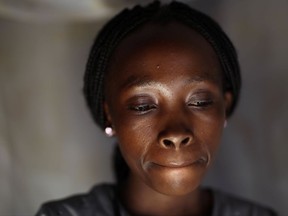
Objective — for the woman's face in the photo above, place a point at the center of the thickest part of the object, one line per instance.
(165, 101)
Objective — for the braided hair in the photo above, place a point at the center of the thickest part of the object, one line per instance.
(130, 20)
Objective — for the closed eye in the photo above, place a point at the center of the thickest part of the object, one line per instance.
(142, 108)
(200, 103)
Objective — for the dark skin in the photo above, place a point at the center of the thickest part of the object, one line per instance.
(164, 99)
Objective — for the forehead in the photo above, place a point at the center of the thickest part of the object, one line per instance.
(172, 45)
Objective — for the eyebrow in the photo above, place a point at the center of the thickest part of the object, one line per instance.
(137, 81)
(134, 81)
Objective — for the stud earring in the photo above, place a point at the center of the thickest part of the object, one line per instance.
(225, 123)
(109, 131)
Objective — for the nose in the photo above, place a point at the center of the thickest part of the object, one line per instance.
(176, 140)
(176, 129)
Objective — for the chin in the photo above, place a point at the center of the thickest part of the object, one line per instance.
(176, 182)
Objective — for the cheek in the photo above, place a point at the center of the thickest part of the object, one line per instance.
(213, 135)
(130, 126)
(210, 132)
(134, 138)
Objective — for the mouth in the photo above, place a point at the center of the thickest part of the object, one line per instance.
(202, 161)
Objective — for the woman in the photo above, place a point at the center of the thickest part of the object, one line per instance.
(162, 79)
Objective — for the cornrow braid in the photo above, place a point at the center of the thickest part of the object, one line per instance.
(130, 20)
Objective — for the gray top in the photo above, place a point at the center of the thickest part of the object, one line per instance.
(102, 201)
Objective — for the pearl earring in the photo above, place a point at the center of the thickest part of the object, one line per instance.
(109, 131)
(225, 123)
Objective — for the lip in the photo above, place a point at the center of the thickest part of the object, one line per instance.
(181, 164)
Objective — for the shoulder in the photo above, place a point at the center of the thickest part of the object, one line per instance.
(100, 199)
(228, 205)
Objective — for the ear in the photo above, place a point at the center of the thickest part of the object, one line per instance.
(228, 99)
(109, 129)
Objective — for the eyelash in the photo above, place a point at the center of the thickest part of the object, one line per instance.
(200, 103)
(143, 108)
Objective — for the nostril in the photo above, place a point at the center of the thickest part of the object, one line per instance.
(167, 143)
(186, 140)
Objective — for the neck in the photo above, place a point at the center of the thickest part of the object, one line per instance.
(140, 199)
